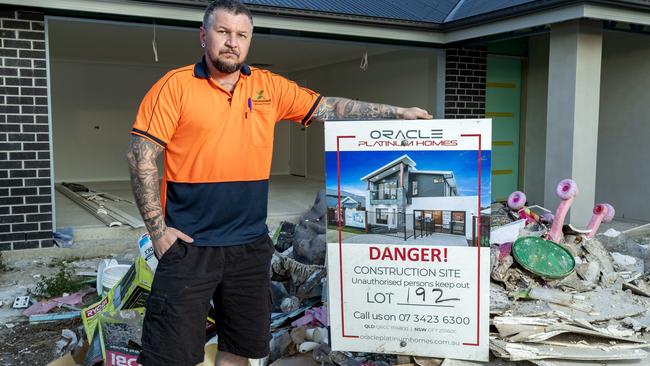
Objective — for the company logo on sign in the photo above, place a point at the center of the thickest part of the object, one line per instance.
(119, 359)
(414, 137)
(406, 134)
(91, 312)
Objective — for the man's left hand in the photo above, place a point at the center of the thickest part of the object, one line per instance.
(413, 113)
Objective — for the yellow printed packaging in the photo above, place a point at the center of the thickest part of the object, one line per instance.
(131, 292)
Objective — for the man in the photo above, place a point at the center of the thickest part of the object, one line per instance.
(215, 120)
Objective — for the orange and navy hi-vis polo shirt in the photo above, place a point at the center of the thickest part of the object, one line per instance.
(218, 148)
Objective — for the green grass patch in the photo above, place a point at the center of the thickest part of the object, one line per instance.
(347, 229)
(64, 281)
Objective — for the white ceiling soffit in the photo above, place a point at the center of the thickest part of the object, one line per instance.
(549, 16)
(617, 14)
(517, 23)
(161, 11)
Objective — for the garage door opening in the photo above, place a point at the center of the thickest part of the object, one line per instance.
(100, 70)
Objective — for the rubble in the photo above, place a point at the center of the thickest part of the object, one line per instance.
(595, 314)
(598, 313)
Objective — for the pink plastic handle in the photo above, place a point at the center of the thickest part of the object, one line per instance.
(602, 212)
(567, 189)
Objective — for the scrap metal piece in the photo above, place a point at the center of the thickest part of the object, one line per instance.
(89, 206)
(97, 203)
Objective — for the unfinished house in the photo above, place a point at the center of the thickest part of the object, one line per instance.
(563, 81)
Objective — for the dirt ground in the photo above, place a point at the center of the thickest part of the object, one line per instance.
(32, 345)
(27, 344)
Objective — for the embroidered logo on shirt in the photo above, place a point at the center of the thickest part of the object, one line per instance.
(260, 98)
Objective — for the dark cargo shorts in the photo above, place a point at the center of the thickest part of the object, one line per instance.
(235, 277)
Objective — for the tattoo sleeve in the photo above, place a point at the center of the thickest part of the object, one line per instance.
(334, 108)
(142, 156)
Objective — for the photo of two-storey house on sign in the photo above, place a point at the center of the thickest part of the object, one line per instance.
(408, 194)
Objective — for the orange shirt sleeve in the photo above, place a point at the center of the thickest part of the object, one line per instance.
(159, 111)
(293, 102)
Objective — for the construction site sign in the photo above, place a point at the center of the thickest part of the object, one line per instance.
(413, 278)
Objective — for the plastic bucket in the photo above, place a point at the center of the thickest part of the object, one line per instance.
(112, 275)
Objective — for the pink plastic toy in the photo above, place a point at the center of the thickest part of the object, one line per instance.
(603, 212)
(567, 190)
(516, 202)
(548, 218)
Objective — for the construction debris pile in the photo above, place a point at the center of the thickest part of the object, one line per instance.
(564, 296)
(299, 276)
(559, 295)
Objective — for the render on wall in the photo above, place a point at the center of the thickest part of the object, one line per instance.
(404, 78)
(535, 119)
(624, 125)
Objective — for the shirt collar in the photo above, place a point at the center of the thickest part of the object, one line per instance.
(201, 69)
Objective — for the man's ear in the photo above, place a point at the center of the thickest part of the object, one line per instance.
(202, 34)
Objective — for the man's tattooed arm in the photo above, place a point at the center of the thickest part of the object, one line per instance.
(335, 108)
(142, 156)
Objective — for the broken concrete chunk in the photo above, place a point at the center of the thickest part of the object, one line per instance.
(531, 308)
(639, 290)
(573, 282)
(290, 304)
(427, 361)
(623, 262)
(599, 253)
(633, 242)
(499, 301)
(589, 271)
(559, 297)
(452, 362)
(607, 304)
(298, 334)
(643, 320)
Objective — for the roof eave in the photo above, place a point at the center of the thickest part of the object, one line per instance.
(397, 23)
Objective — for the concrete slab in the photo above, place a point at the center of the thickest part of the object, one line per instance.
(435, 239)
(289, 197)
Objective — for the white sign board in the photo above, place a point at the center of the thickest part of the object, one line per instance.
(354, 218)
(408, 289)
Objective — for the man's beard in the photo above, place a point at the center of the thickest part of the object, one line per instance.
(226, 66)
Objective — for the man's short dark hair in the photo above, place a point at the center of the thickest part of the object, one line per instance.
(231, 6)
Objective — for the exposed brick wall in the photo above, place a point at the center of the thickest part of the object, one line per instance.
(25, 176)
(465, 82)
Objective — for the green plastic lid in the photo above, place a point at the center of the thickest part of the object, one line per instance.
(543, 257)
